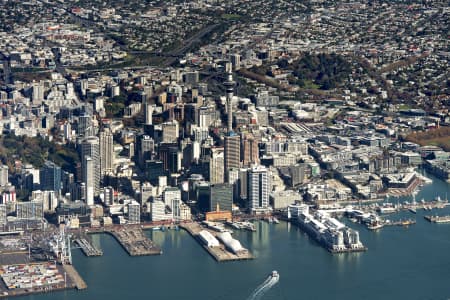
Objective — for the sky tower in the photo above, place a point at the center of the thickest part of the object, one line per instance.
(229, 85)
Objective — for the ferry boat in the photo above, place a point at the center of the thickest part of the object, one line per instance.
(408, 222)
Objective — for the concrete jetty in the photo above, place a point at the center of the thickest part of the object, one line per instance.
(75, 277)
(219, 253)
(134, 241)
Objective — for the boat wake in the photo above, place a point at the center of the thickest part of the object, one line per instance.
(265, 286)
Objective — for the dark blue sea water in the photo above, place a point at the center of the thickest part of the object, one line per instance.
(401, 263)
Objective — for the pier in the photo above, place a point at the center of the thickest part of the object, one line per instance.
(437, 219)
(134, 241)
(75, 277)
(406, 222)
(87, 248)
(219, 253)
(322, 242)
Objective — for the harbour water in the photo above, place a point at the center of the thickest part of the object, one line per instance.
(401, 263)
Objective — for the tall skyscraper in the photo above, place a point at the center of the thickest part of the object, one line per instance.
(232, 153)
(50, 177)
(84, 125)
(170, 132)
(149, 108)
(171, 157)
(88, 179)
(90, 147)
(106, 152)
(216, 166)
(229, 85)
(250, 151)
(145, 149)
(258, 189)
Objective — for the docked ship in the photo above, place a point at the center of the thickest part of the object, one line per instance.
(408, 222)
(248, 226)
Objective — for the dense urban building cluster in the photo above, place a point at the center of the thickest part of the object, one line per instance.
(314, 103)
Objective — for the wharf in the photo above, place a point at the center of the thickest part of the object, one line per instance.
(87, 248)
(134, 241)
(400, 223)
(75, 277)
(73, 280)
(318, 238)
(438, 219)
(220, 253)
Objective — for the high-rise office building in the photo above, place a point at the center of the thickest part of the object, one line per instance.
(145, 148)
(232, 153)
(216, 165)
(90, 147)
(37, 93)
(235, 61)
(84, 125)
(134, 212)
(88, 179)
(108, 195)
(171, 157)
(106, 152)
(172, 199)
(250, 151)
(158, 211)
(258, 189)
(170, 132)
(221, 195)
(146, 192)
(3, 175)
(50, 177)
(148, 112)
